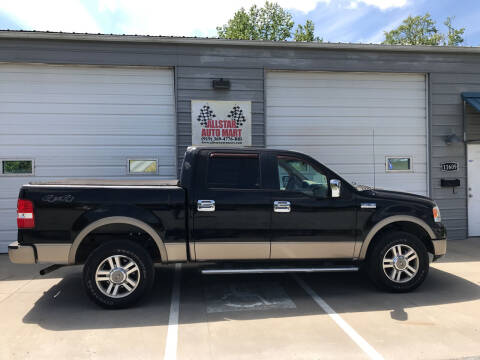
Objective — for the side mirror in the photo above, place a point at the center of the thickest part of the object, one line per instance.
(335, 186)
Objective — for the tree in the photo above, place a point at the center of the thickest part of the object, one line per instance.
(454, 36)
(306, 32)
(422, 30)
(270, 22)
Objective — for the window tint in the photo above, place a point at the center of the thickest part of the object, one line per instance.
(298, 175)
(233, 172)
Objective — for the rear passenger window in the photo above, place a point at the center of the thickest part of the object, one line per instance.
(240, 171)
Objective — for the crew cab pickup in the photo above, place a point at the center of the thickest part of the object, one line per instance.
(235, 210)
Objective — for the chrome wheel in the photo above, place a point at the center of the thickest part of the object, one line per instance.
(117, 276)
(400, 263)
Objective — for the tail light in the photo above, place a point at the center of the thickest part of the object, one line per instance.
(25, 216)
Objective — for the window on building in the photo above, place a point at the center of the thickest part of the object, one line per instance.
(398, 164)
(142, 166)
(17, 167)
(300, 176)
(233, 171)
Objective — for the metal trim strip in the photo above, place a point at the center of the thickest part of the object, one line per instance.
(278, 270)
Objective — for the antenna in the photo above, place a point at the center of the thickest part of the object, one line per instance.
(373, 152)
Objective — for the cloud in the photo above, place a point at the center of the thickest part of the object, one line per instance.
(185, 17)
(170, 17)
(382, 4)
(54, 15)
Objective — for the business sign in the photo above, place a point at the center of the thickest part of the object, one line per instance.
(449, 166)
(221, 122)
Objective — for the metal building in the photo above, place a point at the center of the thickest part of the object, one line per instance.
(395, 117)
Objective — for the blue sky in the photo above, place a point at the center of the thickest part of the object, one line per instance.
(335, 20)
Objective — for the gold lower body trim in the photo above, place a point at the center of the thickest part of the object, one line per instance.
(312, 250)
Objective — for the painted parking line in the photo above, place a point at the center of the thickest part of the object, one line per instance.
(360, 341)
(172, 332)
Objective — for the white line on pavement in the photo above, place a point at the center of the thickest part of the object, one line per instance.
(172, 332)
(360, 341)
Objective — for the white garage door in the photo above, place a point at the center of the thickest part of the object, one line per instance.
(362, 125)
(78, 122)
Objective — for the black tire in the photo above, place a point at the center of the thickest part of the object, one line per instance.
(143, 274)
(382, 277)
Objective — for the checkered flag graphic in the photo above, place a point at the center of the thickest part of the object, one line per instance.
(206, 114)
(236, 114)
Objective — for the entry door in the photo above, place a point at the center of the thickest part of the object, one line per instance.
(473, 153)
(307, 222)
(232, 214)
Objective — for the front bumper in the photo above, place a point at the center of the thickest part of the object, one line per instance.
(21, 254)
(439, 248)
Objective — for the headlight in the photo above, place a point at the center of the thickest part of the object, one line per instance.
(436, 214)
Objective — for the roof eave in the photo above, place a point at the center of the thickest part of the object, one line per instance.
(40, 35)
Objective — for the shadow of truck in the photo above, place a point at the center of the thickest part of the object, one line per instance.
(65, 306)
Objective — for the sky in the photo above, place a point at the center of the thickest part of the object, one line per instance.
(358, 21)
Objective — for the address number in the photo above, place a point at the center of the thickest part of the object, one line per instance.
(449, 166)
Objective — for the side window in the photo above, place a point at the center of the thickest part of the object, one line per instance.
(233, 171)
(16, 167)
(297, 175)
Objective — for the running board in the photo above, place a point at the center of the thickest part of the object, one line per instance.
(278, 270)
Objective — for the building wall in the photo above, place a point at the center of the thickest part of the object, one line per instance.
(472, 117)
(195, 83)
(447, 118)
(196, 65)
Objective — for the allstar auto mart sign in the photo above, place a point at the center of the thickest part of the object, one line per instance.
(216, 122)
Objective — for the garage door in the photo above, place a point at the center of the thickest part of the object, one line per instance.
(72, 121)
(369, 127)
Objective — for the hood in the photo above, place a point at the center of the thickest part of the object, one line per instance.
(398, 195)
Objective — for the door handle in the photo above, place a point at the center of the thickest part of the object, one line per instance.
(206, 205)
(281, 206)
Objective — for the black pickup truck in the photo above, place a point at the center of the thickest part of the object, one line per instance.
(237, 210)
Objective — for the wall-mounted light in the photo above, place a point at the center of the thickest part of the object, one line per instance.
(221, 84)
(452, 139)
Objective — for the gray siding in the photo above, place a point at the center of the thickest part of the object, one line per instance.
(195, 83)
(472, 117)
(447, 118)
(196, 65)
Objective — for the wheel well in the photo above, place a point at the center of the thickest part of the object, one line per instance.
(404, 226)
(112, 232)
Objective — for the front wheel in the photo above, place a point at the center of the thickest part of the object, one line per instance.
(398, 262)
(117, 274)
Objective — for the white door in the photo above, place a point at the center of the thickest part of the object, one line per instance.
(473, 182)
(79, 121)
(352, 122)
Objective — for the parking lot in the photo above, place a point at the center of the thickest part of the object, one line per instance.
(195, 316)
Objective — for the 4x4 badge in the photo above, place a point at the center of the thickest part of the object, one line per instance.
(58, 198)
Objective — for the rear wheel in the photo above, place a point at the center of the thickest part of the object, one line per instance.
(117, 274)
(398, 262)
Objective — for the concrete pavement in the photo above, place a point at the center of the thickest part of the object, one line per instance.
(246, 316)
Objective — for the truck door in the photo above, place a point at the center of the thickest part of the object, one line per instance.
(231, 218)
(307, 222)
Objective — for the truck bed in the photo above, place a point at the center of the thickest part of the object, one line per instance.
(104, 182)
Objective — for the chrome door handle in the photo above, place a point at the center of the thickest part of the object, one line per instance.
(281, 206)
(206, 205)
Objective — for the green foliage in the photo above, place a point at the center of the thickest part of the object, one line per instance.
(422, 30)
(270, 22)
(306, 32)
(17, 166)
(454, 36)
